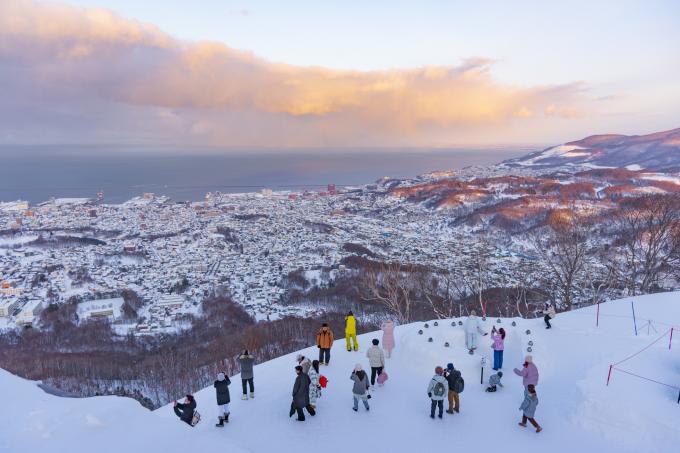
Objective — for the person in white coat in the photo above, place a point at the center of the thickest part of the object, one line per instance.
(314, 386)
(472, 328)
(376, 358)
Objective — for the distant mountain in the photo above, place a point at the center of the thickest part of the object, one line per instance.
(659, 151)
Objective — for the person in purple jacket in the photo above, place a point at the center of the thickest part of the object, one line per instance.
(529, 373)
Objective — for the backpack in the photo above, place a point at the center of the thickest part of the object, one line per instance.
(323, 381)
(438, 389)
(459, 385)
(195, 419)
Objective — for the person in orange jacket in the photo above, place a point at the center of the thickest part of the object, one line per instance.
(324, 340)
(351, 331)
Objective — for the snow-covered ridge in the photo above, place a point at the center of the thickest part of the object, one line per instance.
(577, 410)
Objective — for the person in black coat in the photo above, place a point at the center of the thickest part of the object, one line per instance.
(223, 398)
(185, 411)
(301, 395)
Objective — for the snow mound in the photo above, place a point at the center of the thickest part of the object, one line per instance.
(578, 411)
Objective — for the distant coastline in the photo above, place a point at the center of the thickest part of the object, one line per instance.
(38, 173)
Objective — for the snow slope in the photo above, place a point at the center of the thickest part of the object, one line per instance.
(577, 410)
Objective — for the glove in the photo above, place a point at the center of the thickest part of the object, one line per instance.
(429, 394)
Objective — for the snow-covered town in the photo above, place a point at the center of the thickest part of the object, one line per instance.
(172, 254)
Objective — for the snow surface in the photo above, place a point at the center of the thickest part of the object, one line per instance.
(577, 410)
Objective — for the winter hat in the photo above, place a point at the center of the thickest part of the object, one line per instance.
(220, 377)
(500, 374)
(473, 313)
(299, 357)
(449, 366)
(298, 368)
(375, 342)
(529, 359)
(439, 370)
(357, 367)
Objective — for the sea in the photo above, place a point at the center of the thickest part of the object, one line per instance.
(39, 173)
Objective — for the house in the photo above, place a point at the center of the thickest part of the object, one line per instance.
(7, 307)
(29, 311)
(101, 309)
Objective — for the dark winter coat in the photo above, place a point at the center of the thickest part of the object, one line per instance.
(246, 362)
(301, 391)
(222, 391)
(185, 411)
(454, 377)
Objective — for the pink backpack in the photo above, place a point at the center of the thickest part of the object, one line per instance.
(382, 377)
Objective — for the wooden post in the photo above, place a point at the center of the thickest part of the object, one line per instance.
(670, 342)
(597, 319)
(632, 306)
(609, 376)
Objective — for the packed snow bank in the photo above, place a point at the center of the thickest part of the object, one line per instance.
(577, 410)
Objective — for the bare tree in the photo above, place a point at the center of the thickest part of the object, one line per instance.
(562, 248)
(392, 285)
(648, 230)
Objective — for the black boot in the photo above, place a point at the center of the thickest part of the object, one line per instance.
(220, 423)
(226, 417)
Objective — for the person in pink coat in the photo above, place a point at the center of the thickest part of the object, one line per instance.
(388, 337)
(529, 373)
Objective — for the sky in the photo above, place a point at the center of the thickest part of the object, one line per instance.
(336, 74)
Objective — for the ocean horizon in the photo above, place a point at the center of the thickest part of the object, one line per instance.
(38, 173)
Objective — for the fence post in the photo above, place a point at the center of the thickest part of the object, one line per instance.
(632, 306)
(670, 342)
(678, 397)
(597, 319)
(609, 375)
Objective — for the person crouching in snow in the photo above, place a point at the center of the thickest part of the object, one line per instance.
(360, 388)
(301, 396)
(314, 386)
(528, 409)
(388, 337)
(437, 391)
(472, 328)
(185, 411)
(223, 399)
(247, 377)
(494, 380)
(529, 373)
(549, 313)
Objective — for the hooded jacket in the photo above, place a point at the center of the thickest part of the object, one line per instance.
(529, 404)
(529, 373)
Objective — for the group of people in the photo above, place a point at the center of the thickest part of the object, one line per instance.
(447, 383)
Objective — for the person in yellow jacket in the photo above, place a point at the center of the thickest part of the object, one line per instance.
(351, 331)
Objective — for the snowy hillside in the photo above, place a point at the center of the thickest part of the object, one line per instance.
(577, 410)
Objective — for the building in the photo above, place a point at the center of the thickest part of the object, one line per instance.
(7, 307)
(101, 309)
(30, 310)
(267, 192)
(332, 189)
(170, 301)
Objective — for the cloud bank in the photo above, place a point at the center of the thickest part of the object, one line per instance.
(75, 74)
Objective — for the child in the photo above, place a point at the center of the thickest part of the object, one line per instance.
(223, 398)
(494, 380)
(528, 408)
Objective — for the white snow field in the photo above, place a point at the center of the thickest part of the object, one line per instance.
(577, 410)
